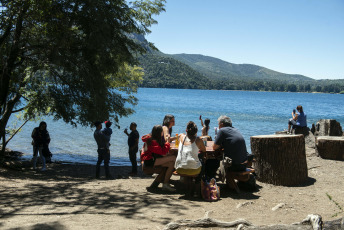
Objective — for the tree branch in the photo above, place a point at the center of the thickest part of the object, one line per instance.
(18, 110)
(16, 132)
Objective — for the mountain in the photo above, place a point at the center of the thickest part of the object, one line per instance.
(165, 72)
(221, 70)
(195, 71)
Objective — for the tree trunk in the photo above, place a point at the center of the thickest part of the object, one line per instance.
(330, 147)
(280, 159)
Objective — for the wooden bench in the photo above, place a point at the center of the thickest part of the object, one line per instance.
(161, 171)
(189, 183)
(231, 176)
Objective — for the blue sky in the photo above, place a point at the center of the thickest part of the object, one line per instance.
(290, 36)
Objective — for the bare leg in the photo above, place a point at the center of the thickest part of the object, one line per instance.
(166, 161)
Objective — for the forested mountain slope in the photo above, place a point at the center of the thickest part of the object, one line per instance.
(219, 69)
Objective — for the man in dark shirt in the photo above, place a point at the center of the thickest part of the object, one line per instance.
(233, 143)
(133, 143)
(103, 150)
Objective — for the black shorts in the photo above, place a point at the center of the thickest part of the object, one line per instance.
(149, 163)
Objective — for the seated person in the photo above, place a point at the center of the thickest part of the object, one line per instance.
(299, 119)
(190, 146)
(167, 125)
(205, 126)
(233, 143)
(157, 154)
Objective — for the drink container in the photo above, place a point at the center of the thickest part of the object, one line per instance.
(177, 140)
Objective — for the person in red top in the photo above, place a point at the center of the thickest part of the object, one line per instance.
(157, 154)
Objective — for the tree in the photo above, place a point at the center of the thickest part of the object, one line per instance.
(292, 88)
(71, 59)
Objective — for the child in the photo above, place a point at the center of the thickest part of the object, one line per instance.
(205, 126)
(107, 130)
(133, 143)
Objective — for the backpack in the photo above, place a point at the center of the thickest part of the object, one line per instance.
(145, 154)
(210, 190)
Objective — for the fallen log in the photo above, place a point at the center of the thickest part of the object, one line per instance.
(311, 222)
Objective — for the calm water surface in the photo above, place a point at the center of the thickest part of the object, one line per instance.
(253, 113)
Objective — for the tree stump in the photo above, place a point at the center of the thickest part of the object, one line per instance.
(327, 127)
(330, 147)
(280, 159)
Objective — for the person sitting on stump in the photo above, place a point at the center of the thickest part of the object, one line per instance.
(299, 119)
(233, 143)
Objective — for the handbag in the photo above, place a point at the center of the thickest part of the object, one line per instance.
(209, 190)
(47, 154)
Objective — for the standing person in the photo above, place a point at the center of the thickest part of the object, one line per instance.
(40, 140)
(299, 119)
(205, 126)
(233, 143)
(107, 130)
(103, 150)
(167, 125)
(158, 151)
(133, 143)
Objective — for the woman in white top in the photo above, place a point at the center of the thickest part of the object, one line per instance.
(190, 146)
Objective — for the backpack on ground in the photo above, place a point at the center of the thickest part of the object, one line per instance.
(209, 189)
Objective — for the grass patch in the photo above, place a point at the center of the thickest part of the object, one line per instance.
(336, 203)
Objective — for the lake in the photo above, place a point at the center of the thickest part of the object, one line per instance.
(253, 113)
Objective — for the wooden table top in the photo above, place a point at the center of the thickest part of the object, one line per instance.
(210, 152)
(209, 147)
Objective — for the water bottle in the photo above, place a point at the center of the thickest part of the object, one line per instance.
(215, 132)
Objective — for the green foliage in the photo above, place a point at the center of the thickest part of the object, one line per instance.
(73, 60)
(203, 72)
(166, 72)
(218, 69)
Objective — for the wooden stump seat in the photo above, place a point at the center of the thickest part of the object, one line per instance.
(189, 183)
(302, 130)
(231, 176)
(330, 147)
(280, 159)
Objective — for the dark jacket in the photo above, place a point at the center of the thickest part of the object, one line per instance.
(40, 138)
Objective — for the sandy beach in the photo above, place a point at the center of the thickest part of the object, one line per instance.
(69, 197)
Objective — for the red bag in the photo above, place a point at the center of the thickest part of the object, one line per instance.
(145, 153)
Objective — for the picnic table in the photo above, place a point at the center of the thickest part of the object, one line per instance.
(210, 152)
(218, 154)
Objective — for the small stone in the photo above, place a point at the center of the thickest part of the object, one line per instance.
(244, 204)
(281, 205)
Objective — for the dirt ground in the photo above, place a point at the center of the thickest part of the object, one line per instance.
(69, 197)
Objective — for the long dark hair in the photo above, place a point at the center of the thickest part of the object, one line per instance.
(299, 108)
(206, 123)
(41, 124)
(166, 122)
(156, 135)
(191, 130)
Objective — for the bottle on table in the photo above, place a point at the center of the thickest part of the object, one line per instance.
(177, 140)
(205, 142)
